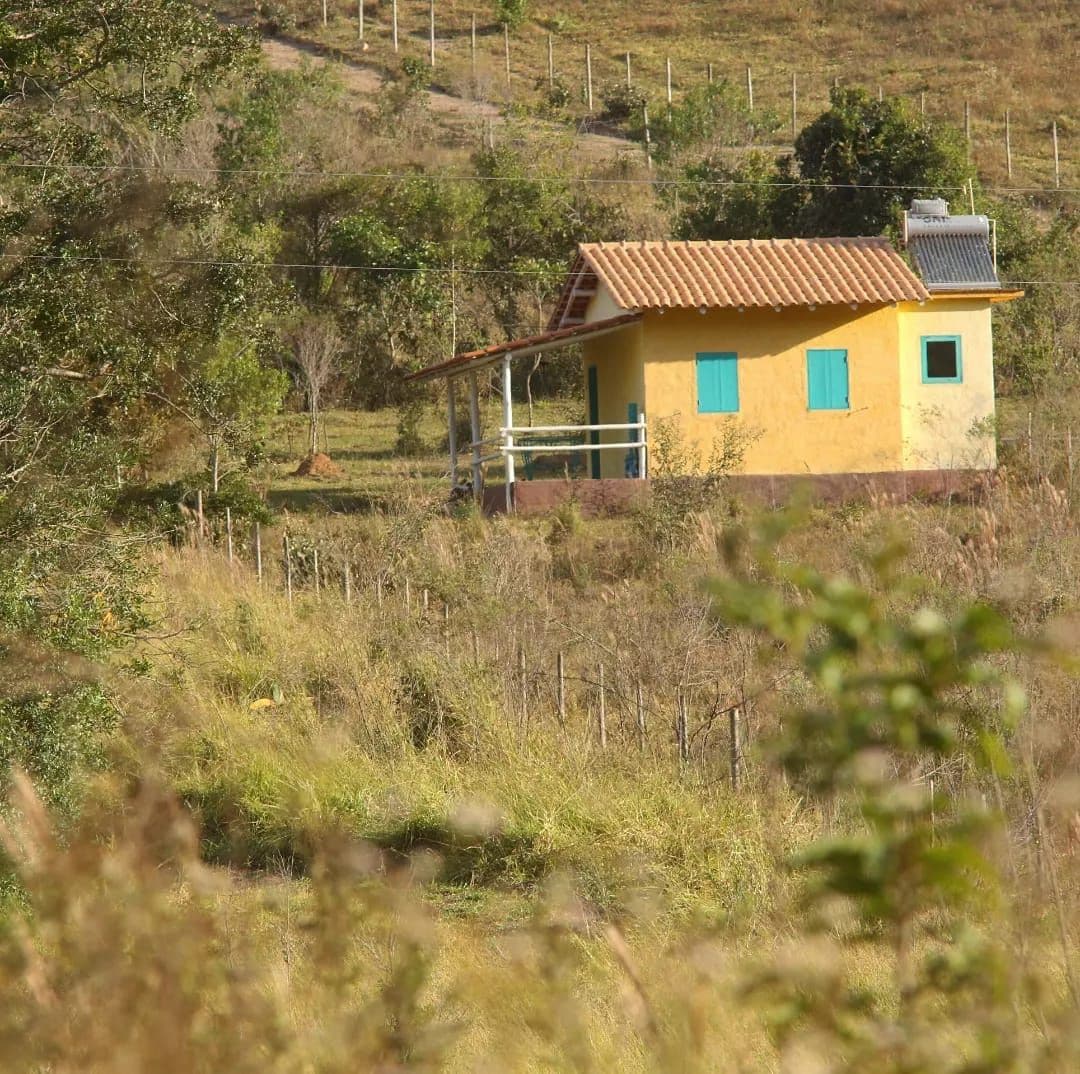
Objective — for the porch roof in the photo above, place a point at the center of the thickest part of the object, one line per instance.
(470, 361)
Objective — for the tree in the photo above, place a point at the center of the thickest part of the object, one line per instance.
(853, 169)
(863, 160)
(511, 13)
(317, 349)
(229, 396)
(88, 324)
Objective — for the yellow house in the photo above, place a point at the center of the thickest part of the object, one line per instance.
(831, 359)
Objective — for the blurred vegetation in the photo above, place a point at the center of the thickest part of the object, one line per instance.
(361, 825)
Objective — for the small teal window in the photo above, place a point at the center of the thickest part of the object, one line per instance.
(942, 362)
(827, 380)
(718, 383)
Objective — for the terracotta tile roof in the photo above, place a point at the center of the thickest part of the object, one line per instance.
(749, 272)
(477, 359)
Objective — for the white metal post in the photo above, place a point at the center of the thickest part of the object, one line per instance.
(508, 425)
(641, 451)
(451, 415)
(474, 424)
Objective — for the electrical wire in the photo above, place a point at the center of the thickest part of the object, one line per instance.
(198, 262)
(543, 180)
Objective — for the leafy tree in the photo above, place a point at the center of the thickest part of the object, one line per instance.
(735, 200)
(511, 13)
(864, 159)
(708, 118)
(228, 398)
(854, 168)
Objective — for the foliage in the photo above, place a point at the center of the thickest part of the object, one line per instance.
(1038, 339)
(864, 159)
(622, 103)
(511, 13)
(854, 168)
(708, 118)
(894, 698)
(683, 485)
(229, 397)
(57, 739)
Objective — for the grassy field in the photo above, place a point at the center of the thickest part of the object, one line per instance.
(993, 55)
(358, 830)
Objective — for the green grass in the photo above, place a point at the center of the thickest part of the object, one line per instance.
(364, 446)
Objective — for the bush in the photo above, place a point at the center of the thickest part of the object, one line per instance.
(622, 103)
(409, 442)
(511, 13)
(57, 739)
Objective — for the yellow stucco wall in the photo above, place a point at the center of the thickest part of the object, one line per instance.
(618, 358)
(937, 420)
(782, 435)
(894, 422)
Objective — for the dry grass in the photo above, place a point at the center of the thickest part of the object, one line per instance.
(344, 836)
(992, 54)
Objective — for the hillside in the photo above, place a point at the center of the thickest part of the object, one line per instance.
(991, 55)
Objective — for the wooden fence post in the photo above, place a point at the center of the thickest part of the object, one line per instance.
(360, 20)
(749, 88)
(588, 79)
(258, 553)
(288, 565)
(967, 121)
(506, 50)
(551, 62)
(378, 590)
(1057, 161)
(602, 717)
(325, 13)
(393, 23)
(408, 595)
(628, 82)
(431, 32)
(315, 565)
(708, 73)
(1069, 456)
(560, 678)
(348, 582)
(669, 82)
(446, 628)
(640, 712)
(201, 518)
(523, 685)
(648, 138)
(1008, 145)
(228, 535)
(734, 745)
(794, 107)
(922, 102)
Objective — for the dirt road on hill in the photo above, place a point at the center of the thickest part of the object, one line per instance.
(366, 80)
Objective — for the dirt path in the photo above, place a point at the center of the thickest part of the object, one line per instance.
(366, 80)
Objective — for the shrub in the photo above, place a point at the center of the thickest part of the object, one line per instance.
(511, 13)
(622, 103)
(57, 739)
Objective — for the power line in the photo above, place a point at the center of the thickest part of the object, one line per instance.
(543, 180)
(444, 270)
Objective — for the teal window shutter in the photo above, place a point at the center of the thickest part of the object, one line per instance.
(827, 379)
(718, 382)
